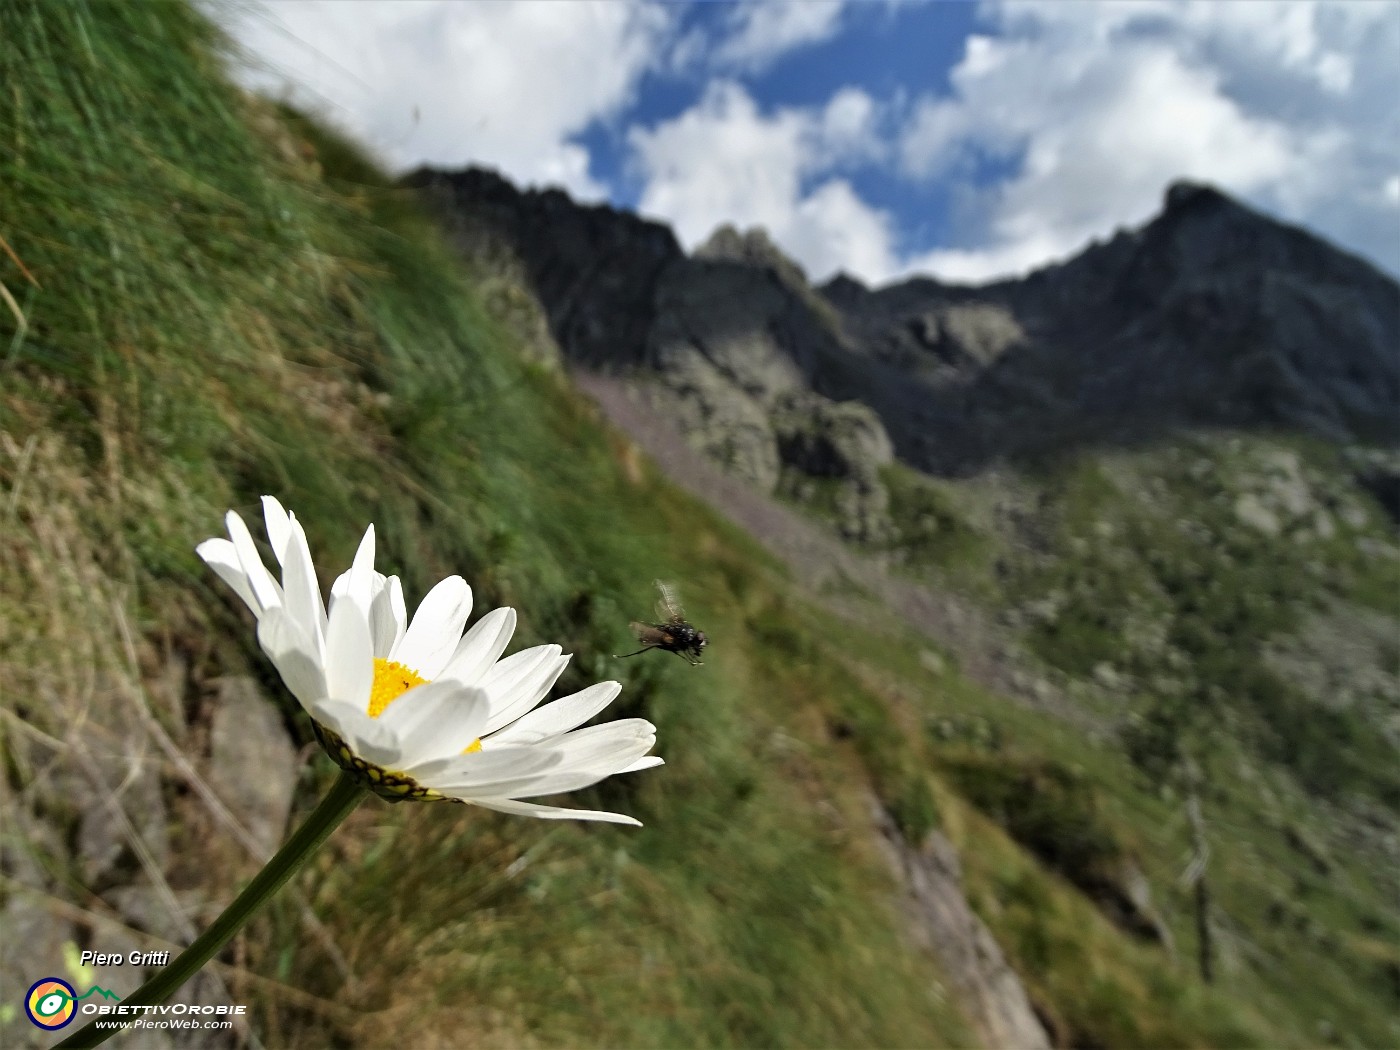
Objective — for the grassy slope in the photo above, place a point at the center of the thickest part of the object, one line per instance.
(211, 321)
(1144, 593)
(222, 311)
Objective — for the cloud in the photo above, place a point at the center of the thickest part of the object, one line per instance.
(832, 230)
(848, 128)
(761, 31)
(725, 161)
(1061, 122)
(433, 81)
(1097, 106)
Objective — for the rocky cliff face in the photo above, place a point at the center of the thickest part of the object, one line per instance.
(751, 362)
(594, 269)
(1211, 314)
(939, 920)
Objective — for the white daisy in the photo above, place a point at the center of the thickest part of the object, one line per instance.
(418, 709)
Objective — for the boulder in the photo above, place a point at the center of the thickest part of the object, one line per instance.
(940, 920)
(754, 248)
(829, 440)
(844, 443)
(252, 764)
(740, 321)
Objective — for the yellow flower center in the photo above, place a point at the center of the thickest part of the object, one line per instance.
(391, 681)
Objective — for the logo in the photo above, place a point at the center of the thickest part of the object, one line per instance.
(52, 1002)
(49, 1003)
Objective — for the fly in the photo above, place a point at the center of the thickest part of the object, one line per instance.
(674, 634)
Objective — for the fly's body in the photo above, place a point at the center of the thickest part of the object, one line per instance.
(674, 634)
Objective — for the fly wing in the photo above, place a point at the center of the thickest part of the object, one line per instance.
(650, 634)
(668, 606)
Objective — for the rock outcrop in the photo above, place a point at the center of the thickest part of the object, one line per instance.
(594, 269)
(744, 354)
(941, 921)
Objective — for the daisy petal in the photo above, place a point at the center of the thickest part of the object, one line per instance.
(365, 736)
(556, 783)
(438, 720)
(294, 656)
(518, 693)
(607, 748)
(559, 717)
(279, 527)
(506, 709)
(493, 776)
(364, 553)
(605, 733)
(481, 646)
(265, 589)
(387, 617)
(531, 809)
(644, 763)
(436, 629)
(505, 673)
(301, 592)
(507, 787)
(349, 659)
(486, 766)
(359, 581)
(220, 556)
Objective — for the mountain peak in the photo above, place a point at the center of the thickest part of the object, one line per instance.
(753, 247)
(1184, 194)
(1212, 314)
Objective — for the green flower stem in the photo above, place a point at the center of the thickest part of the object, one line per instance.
(344, 796)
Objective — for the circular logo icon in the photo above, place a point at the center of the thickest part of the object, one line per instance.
(50, 1003)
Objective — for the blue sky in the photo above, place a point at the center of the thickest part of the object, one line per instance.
(882, 138)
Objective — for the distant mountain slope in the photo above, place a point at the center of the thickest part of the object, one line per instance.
(1210, 314)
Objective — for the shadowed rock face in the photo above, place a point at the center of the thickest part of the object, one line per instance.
(1209, 315)
(751, 362)
(594, 269)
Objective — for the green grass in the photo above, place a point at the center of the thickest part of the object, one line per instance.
(1173, 589)
(229, 299)
(1325, 958)
(931, 531)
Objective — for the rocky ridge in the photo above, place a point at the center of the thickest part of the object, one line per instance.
(1209, 315)
(746, 357)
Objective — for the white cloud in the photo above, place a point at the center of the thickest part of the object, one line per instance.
(725, 161)
(763, 30)
(1097, 106)
(439, 82)
(1062, 121)
(833, 230)
(849, 126)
